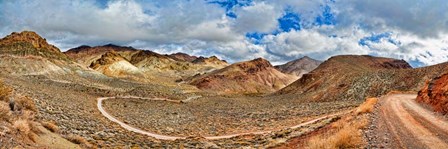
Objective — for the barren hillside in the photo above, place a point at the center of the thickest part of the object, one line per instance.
(113, 64)
(299, 67)
(255, 76)
(353, 77)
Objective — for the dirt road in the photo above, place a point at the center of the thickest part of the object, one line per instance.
(166, 137)
(401, 122)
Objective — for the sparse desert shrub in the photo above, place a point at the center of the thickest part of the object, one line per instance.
(367, 106)
(5, 113)
(33, 137)
(5, 91)
(26, 103)
(77, 139)
(22, 126)
(348, 136)
(344, 133)
(35, 127)
(51, 126)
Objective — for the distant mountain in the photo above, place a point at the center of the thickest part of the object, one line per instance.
(151, 61)
(299, 67)
(355, 77)
(85, 55)
(255, 76)
(211, 61)
(134, 62)
(435, 94)
(182, 57)
(113, 64)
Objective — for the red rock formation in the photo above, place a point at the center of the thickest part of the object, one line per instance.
(435, 93)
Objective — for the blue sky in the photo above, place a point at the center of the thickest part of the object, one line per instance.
(237, 30)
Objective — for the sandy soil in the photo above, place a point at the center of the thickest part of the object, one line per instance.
(403, 123)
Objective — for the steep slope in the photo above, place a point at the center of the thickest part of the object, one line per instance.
(114, 65)
(351, 77)
(255, 76)
(435, 94)
(299, 67)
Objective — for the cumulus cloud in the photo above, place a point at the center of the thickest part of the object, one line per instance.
(314, 43)
(259, 17)
(421, 17)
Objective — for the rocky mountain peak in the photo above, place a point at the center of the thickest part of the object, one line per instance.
(28, 37)
(255, 65)
(261, 62)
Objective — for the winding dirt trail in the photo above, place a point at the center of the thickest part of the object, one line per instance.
(409, 125)
(166, 137)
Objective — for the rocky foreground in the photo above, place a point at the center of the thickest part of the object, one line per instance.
(435, 94)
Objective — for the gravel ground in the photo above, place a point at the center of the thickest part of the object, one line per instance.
(73, 107)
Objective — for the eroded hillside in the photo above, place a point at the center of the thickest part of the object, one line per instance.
(255, 76)
(353, 77)
(299, 66)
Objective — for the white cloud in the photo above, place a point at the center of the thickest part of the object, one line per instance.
(259, 17)
(313, 43)
(421, 17)
(412, 47)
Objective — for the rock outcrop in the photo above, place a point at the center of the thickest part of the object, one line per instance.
(435, 94)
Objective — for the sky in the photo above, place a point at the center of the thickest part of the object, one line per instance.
(238, 30)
